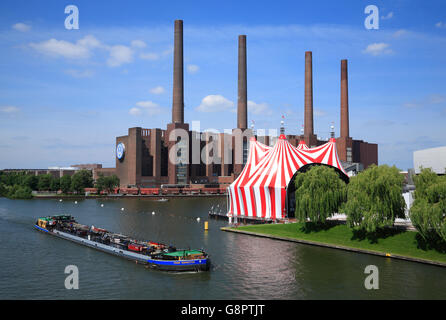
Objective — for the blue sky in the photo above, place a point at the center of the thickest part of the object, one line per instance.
(66, 94)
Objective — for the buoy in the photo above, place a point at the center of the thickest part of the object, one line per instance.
(60, 200)
(153, 213)
(122, 209)
(75, 202)
(198, 219)
(102, 204)
(206, 226)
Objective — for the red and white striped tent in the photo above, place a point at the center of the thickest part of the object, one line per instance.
(260, 190)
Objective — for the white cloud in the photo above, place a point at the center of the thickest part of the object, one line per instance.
(376, 49)
(148, 107)
(119, 55)
(79, 50)
(157, 90)
(399, 33)
(135, 111)
(9, 109)
(440, 24)
(149, 56)
(427, 101)
(22, 27)
(388, 16)
(89, 41)
(258, 108)
(192, 68)
(80, 74)
(215, 103)
(138, 44)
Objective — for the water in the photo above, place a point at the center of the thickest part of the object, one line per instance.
(32, 264)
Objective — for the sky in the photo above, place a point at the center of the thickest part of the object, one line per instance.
(66, 94)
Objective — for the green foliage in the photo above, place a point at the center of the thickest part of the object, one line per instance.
(428, 212)
(65, 183)
(44, 182)
(3, 190)
(319, 194)
(17, 185)
(80, 180)
(19, 192)
(374, 198)
(55, 184)
(107, 183)
(31, 181)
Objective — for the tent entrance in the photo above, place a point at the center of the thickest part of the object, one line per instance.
(290, 200)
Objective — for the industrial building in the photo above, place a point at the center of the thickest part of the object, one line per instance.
(142, 156)
(434, 158)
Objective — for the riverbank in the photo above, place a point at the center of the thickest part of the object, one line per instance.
(395, 243)
(98, 196)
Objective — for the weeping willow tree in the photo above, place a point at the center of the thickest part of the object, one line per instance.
(374, 198)
(319, 194)
(428, 212)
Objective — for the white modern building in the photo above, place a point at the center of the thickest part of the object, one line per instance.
(434, 158)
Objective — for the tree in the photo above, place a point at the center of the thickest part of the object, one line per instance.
(19, 192)
(31, 181)
(374, 198)
(44, 182)
(3, 190)
(80, 180)
(319, 194)
(428, 212)
(65, 183)
(106, 183)
(55, 184)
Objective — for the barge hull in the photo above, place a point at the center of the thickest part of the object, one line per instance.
(165, 265)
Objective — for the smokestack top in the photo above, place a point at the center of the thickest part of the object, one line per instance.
(242, 99)
(178, 80)
(344, 100)
(308, 128)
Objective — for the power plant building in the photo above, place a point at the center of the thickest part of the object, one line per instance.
(153, 157)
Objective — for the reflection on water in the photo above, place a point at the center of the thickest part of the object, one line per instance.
(243, 267)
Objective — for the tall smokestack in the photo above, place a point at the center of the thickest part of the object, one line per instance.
(308, 130)
(344, 100)
(178, 88)
(242, 101)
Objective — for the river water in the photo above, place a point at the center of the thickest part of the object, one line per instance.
(32, 264)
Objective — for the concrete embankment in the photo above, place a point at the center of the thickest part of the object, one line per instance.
(131, 196)
(333, 246)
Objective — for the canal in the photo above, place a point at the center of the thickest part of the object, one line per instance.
(32, 264)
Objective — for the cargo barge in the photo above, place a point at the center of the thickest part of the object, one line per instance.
(155, 255)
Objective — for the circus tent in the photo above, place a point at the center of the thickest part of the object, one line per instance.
(260, 189)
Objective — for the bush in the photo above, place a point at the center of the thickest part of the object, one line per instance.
(319, 194)
(374, 198)
(20, 192)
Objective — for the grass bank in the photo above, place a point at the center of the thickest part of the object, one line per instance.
(400, 244)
